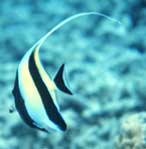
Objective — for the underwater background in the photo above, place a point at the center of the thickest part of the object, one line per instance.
(105, 69)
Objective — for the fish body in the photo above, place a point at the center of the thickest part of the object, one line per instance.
(35, 97)
(35, 92)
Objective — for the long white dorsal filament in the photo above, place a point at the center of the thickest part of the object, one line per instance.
(64, 22)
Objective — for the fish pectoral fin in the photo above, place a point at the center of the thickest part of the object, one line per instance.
(59, 81)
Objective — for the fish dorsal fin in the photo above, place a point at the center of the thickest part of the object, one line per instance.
(59, 80)
(64, 22)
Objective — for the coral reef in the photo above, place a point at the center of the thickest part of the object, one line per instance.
(132, 132)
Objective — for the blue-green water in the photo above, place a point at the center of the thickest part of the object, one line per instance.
(105, 69)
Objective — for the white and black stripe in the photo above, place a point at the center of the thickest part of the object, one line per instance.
(20, 105)
(50, 108)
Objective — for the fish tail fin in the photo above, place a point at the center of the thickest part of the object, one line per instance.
(60, 81)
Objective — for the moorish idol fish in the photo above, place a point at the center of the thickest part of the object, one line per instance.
(35, 92)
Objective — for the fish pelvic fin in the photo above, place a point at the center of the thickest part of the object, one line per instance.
(12, 109)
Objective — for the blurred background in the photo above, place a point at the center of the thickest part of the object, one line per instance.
(105, 69)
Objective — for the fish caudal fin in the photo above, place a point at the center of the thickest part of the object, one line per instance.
(59, 81)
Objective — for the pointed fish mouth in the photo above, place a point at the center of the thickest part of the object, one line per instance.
(49, 129)
(64, 127)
